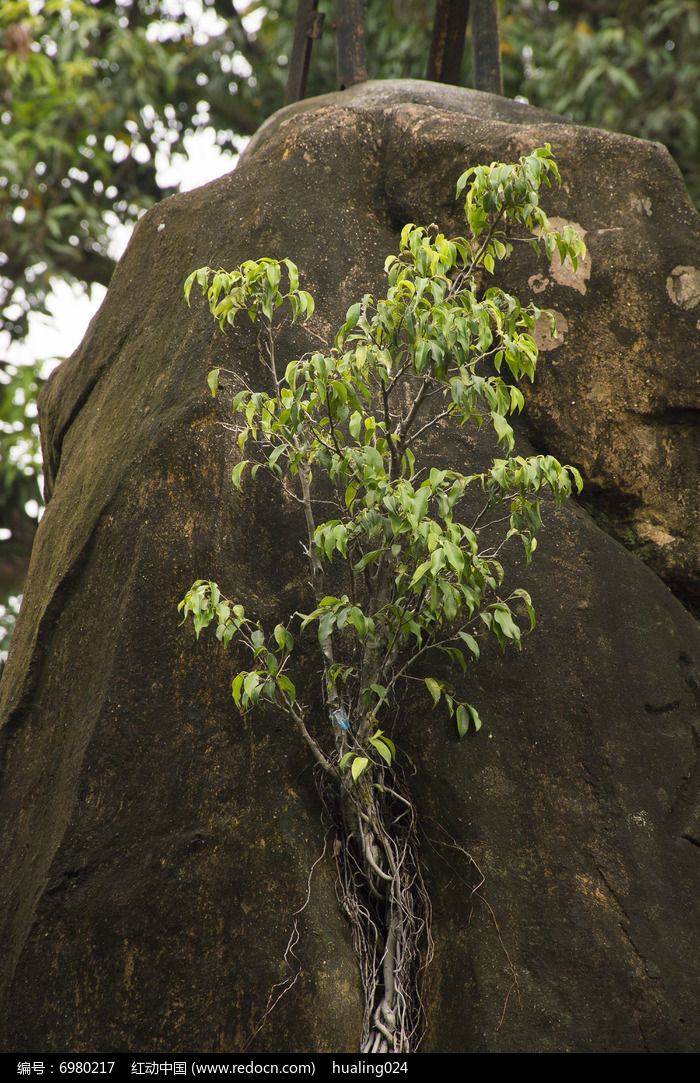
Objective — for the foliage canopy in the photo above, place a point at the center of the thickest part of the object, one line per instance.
(416, 576)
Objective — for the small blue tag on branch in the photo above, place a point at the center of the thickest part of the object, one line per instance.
(341, 719)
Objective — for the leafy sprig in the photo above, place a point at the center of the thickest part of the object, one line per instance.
(419, 577)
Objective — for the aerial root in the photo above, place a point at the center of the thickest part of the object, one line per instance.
(382, 893)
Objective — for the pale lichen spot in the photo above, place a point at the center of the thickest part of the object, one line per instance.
(650, 532)
(683, 287)
(544, 339)
(564, 273)
(638, 819)
(642, 206)
(538, 283)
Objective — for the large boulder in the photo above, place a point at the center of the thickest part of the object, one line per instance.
(155, 846)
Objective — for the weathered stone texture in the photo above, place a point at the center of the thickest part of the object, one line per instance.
(155, 846)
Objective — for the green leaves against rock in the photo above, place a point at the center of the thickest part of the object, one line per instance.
(268, 681)
(418, 577)
(254, 287)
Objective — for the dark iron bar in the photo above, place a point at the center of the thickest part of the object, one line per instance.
(308, 27)
(447, 43)
(486, 47)
(446, 46)
(351, 54)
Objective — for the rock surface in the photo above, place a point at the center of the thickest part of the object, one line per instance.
(155, 846)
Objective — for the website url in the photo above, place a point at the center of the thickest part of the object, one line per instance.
(253, 1068)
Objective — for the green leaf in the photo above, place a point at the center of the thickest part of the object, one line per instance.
(236, 688)
(355, 425)
(358, 621)
(273, 273)
(503, 429)
(455, 556)
(283, 637)
(368, 558)
(437, 477)
(189, 282)
(326, 626)
(381, 747)
(434, 688)
(420, 502)
(374, 459)
(293, 275)
(525, 597)
(388, 742)
(251, 687)
(286, 685)
(308, 303)
(213, 381)
(238, 472)
(381, 692)
(466, 714)
(470, 642)
(504, 626)
(358, 766)
(420, 572)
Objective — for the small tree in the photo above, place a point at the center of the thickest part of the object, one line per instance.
(398, 576)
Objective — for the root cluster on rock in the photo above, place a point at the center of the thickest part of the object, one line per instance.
(381, 891)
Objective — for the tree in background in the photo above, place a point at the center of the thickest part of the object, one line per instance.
(629, 67)
(97, 97)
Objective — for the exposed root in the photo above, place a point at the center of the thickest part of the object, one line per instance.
(281, 988)
(475, 893)
(381, 891)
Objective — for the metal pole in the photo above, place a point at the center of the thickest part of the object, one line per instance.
(486, 46)
(447, 43)
(351, 55)
(308, 27)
